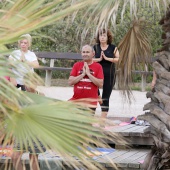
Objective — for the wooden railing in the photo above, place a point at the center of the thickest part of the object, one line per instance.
(53, 56)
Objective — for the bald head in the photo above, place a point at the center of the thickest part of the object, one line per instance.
(87, 53)
(88, 46)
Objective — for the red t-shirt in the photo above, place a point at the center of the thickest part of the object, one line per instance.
(85, 88)
(7, 78)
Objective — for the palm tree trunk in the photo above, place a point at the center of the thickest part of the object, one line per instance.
(159, 107)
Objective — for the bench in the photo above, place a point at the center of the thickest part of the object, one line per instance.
(129, 159)
(144, 75)
(53, 56)
(134, 134)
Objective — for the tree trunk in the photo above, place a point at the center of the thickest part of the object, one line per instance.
(159, 107)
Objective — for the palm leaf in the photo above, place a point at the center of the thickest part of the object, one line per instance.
(105, 12)
(135, 44)
(135, 51)
(22, 16)
(61, 126)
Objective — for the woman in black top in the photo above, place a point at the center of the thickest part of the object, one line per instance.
(107, 55)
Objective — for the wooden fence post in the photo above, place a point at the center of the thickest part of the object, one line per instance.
(143, 82)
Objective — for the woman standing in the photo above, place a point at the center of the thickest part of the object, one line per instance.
(28, 61)
(26, 56)
(107, 55)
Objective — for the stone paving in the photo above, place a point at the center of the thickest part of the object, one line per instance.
(118, 107)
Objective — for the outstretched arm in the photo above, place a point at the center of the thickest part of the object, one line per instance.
(153, 80)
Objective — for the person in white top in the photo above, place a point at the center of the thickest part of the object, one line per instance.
(26, 56)
(28, 61)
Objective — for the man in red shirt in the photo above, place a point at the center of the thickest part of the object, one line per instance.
(87, 77)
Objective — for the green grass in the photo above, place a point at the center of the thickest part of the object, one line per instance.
(138, 88)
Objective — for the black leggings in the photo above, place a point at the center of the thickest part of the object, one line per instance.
(93, 109)
(108, 84)
(22, 87)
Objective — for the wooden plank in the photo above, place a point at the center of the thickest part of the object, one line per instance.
(53, 68)
(121, 128)
(5, 160)
(134, 134)
(142, 72)
(138, 140)
(127, 132)
(49, 70)
(136, 163)
(130, 130)
(115, 154)
(50, 159)
(55, 55)
(143, 82)
(51, 62)
(125, 159)
(134, 158)
(48, 78)
(140, 132)
(144, 76)
(129, 153)
(70, 55)
(52, 56)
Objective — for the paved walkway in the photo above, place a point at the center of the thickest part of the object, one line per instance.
(118, 107)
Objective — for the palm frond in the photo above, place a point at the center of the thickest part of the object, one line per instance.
(22, 16)
(104, 12)
(135, 51)
(28, 118)
(61, 126)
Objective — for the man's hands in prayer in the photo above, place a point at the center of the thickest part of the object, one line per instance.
(86, 70)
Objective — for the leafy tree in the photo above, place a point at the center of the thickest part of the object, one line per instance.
(135, 46)
(69, 34)
(61, 126)
(101, 13)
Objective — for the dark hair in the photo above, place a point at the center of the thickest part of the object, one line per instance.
(109, 36)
